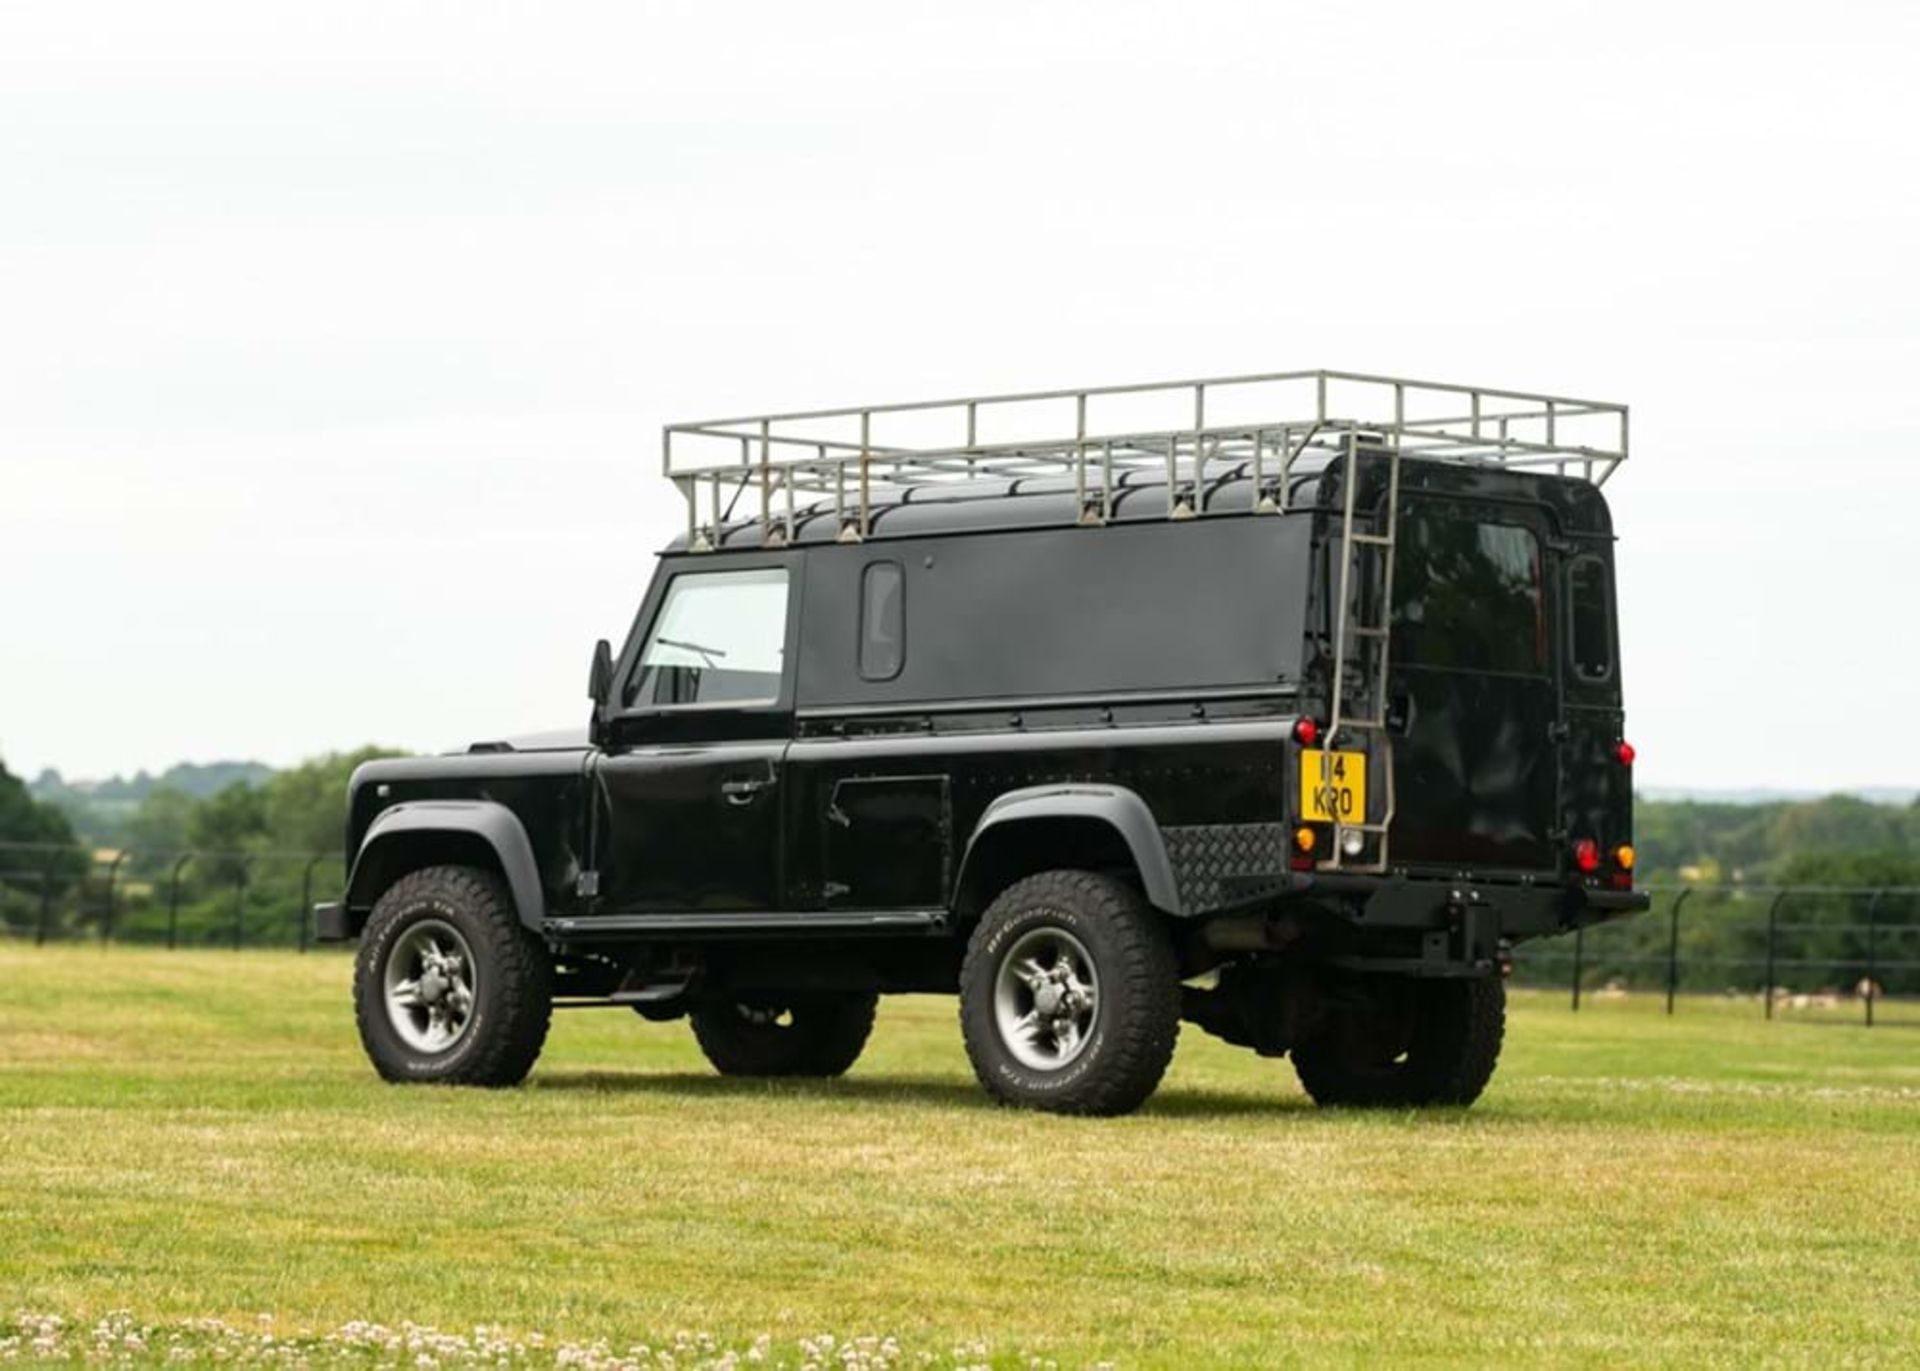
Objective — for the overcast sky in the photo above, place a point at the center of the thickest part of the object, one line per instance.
(335, 338)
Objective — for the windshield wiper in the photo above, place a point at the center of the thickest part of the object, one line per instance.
(712, 654)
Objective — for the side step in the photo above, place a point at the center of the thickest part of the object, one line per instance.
(661, 992)
(593, 927)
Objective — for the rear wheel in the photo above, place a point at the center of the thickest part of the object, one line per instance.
(798, 1035)
(1407, 1042)
(1070, 995)
(448, 985)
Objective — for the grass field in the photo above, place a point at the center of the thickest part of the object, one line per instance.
(197, 1135)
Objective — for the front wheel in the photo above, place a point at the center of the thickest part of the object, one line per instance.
(1070, 995)
(448, 985)
(1405, 1042)
(798, 1035)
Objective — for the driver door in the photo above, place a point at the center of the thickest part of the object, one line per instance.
(696, 740)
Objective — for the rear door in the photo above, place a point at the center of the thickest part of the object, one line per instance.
(1596, 780)
(1472, 692)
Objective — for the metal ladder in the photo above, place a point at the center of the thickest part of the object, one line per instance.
(1372, 640)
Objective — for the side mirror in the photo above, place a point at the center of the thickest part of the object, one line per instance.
(599, 687)
(600, 674)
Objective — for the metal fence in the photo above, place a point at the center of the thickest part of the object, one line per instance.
(1843, 953)
(1819, 953)
(170, 897)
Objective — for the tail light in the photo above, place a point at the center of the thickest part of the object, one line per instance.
(1623, 752)
(1306, 732)
(1586, 855)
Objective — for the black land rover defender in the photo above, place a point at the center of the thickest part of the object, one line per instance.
(1283, 705)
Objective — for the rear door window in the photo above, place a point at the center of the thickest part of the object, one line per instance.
(1589, 620)
(1467, 594)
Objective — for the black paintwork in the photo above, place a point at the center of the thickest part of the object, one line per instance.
(1136, 684)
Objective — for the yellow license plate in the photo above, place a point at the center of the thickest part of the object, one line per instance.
(1333, 784)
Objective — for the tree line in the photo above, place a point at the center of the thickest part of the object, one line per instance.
(258, 829)
(253, 842)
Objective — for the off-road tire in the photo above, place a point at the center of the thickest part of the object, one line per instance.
(512, 980)
(1137, 1015)
(823, 1035)
(1446, 1049)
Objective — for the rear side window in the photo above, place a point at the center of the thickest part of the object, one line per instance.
(719, 639)
(1466, 594)
(1589, 620)
(883, 621)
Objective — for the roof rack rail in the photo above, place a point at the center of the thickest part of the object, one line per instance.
(1264, 422)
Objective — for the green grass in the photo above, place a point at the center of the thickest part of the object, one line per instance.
(197, 1134)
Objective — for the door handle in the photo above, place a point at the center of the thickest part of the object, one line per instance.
(1399, 718)
(744, 790)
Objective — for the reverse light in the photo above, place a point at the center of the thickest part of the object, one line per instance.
(1623, 752)
(1586, 855)
(1623, 856)
(1353, 842)
(1306, 732)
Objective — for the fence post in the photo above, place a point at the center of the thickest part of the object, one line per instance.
(1579, 947)
(113, 874)
(305, 915)
(1873, 910)
(46, 904)
(1673, 947)
(1773, 928)
(240, 905)
(173, 900)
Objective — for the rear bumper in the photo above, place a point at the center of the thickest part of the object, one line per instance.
(1518, 911)
(1616, 904)
(330, 924)
(1409, 925)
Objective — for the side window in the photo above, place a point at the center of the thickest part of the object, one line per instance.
(883, 621)
(719, 638)
(1466, 594)
(1589, 645)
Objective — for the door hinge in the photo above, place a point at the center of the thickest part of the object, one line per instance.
(587, 884)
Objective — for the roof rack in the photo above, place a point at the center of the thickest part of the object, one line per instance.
(1266, 423)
